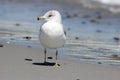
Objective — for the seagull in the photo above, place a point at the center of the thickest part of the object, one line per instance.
(52, 34)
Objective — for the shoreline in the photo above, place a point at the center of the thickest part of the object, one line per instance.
(76, 53)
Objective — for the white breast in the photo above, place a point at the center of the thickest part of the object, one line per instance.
(52, 35)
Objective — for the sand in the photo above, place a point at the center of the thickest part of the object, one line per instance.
(16, 63)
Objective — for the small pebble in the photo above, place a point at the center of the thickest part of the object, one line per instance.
(86, 16)
(50, 58)
(99, 31)
(27, 59)
(116, 38)
(17, 24)
(27, 38)
(68, 16)
(114, 56)
(93, 21)
(83, 22)
(75, 15)
(76, 38)
(99, 17)
(1, 45)
(99, 63)
(12, 39)
(68, 29)
(29, 46)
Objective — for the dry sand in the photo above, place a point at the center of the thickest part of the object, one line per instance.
(13, 66)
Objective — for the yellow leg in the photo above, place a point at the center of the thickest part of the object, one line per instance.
(45, 55)
(56, 64)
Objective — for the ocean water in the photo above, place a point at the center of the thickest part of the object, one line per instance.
(92, 35)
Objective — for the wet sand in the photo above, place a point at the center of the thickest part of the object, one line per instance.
(22, 63)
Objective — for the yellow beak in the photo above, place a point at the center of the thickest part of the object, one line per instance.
(40, 18)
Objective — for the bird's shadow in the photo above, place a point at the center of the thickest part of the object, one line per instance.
(44, 64)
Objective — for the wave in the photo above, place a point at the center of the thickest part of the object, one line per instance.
(110, 5)
(109, 2)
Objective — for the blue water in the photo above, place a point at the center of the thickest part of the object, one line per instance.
(90, 41)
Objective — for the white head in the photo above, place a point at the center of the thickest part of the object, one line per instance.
(51, 15)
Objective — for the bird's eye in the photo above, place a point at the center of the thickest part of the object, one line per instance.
(50, 15)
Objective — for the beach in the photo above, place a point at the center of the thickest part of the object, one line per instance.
(91, 52)
(18, 63)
